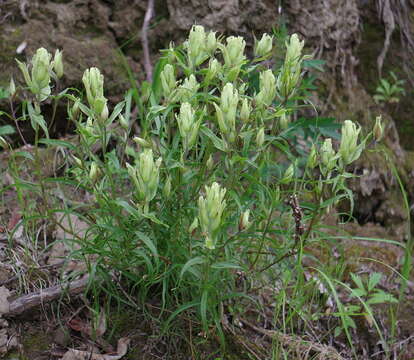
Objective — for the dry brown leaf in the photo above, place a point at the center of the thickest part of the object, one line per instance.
(89, 329)
(122, 349)
(7, 341)
(70, 226)
(15, 218)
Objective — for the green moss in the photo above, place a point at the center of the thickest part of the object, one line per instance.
(9, 41)
(35, 341)
(14, 356)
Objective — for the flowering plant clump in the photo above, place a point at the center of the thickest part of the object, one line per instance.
(200, 193)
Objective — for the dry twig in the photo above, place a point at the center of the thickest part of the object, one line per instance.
(34, 299)
(305, 349)
(144, 38)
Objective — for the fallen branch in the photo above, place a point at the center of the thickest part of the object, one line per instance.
(144, 37)
(304, 348)
(32, 300)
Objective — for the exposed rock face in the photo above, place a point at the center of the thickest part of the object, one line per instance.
(86, 30)
(333, 29)
(237, 16)
(90, 32)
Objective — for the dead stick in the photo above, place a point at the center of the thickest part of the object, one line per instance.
(144, 38)
(29, 301)
(304, 346)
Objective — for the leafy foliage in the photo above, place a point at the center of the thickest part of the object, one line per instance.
(221, 188)
(389, 91)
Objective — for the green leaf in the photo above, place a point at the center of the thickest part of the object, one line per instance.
(203, 309)
(6, 130)
(156, 79)
(179, 311)
(37, 120)
(148, 242)
(129, 208)
(217, 142)
(153, 218)
(55, 142)
(4, 93)
(373, 280)
(358, 292)
(190, 264)
(24, 154)
(86, 110)
(128, 105)
(225, 265)
(314, 64)
(117, 110)
(381, 297)
(357, 280)
(338, 331)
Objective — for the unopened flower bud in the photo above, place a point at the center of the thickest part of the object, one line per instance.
(264, 46)
(167, 187)
(187, 124)
(288, 175)
(210, 211)
(41, 67)
(226, 113)
(349, 148)
(267, 91)
(294, 48)
(140, 141)
(210, 163)
(284, 121)
(260, 137)
(291, 70)
(58, 64)
(196, 45)
(105, 113)
(123, 122)
(214, 68)
(244, 222)
(147, 175)
(276, 194)
(39, 79)
(94, 172)
(318, 188)
(77, 161)
(211, 44)
(145, 91)
(378, 131)
(233, 52)
(93, 81)
(168, 81)
(74, 111)
(12, 88)
(245, 111)
(328, 157)
(312, 157)
(188, 89)
(193, 227)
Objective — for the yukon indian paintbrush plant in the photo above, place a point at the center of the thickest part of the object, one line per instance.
(191, 188)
